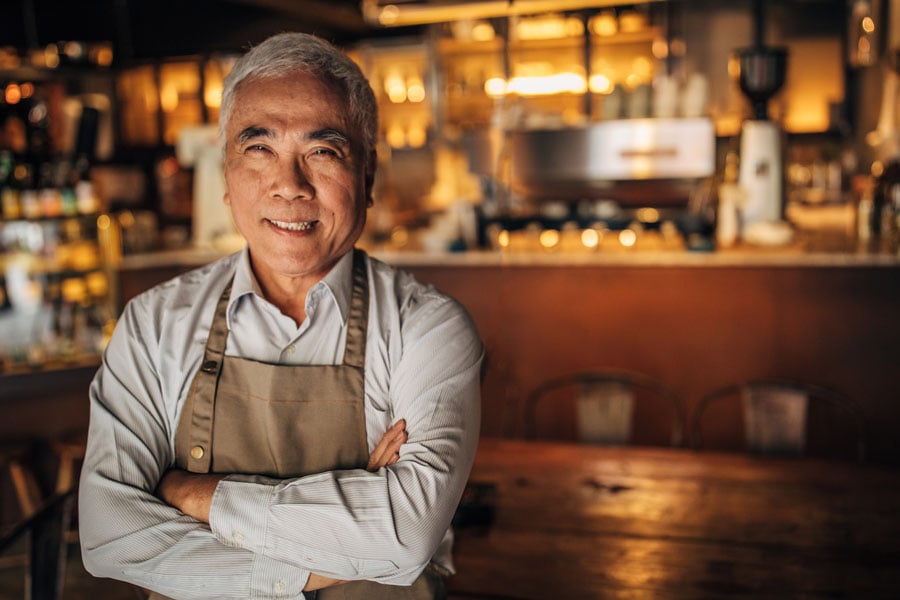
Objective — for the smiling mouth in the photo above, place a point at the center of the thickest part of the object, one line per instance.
(293, 225)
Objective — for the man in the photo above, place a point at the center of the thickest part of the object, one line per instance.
(238, 406)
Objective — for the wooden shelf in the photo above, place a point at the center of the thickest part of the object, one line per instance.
(451, 47)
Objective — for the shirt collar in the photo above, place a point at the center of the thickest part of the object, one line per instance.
(338, 284)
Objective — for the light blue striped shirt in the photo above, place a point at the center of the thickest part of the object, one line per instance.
(265, 536)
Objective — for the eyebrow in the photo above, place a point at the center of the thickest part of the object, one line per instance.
(327, 134)
(254, 132)
(330, 135)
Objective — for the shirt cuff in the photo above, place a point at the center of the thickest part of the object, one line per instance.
(238, 517)
(272, 579)
(239, 513)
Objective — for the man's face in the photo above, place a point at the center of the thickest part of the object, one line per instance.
(295, 175)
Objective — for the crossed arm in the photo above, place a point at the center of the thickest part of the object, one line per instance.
(192, 493)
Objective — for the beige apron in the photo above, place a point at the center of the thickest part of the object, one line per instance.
(244, 416)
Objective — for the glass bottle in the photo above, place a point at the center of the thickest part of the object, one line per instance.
(29, 200)
(9, 193)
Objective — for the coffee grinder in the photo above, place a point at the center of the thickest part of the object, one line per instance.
(762, 73)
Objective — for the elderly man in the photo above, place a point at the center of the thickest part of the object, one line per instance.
(297, 416)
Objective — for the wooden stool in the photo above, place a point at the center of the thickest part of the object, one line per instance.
(15, 460)
(15, 466)
(70, 451)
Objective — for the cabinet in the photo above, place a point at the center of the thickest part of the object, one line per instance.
(57, 282)
(57, 291)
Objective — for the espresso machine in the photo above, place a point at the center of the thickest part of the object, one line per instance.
(762, 73)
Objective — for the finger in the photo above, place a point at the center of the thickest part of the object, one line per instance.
(391, 440)
(389, 445)
(376, 457)
(383, 450)
(394, 445)
(391, 453)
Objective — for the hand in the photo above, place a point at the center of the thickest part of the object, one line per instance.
(191, 493)
(318, 582)
(387, 452)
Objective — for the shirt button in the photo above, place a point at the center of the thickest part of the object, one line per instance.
(238, 538)
(279, 586)
(197, 452)
(290, 349)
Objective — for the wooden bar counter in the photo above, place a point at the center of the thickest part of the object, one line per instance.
(694, 321)
(551, 520)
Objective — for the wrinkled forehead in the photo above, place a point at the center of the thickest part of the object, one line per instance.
(316, 83)
(306, 87)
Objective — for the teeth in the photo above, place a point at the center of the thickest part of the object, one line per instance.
(293, 226)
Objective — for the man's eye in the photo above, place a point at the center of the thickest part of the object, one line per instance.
(324, 152)
(256, 148)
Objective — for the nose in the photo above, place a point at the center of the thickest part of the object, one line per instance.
(291, 181)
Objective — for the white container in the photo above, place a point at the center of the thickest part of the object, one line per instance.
(761, 171)
(731, 199)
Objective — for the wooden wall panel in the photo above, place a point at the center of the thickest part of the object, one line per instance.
(694, 328)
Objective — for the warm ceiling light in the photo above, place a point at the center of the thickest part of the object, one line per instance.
(600, 84)
(627, 238)
(590, 238)
(605, 23)
(868, 24)
(495, 87)
(13, 94)
(549, 238)
(377, 12)
(415, 90)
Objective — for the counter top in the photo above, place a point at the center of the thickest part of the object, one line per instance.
(735, 257)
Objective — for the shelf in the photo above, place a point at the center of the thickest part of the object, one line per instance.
(91, 361)
(79, 216)
(58, 274)
(68, 71)
(450, 47)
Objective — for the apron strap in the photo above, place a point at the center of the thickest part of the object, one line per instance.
(358, 319)
(203, 389)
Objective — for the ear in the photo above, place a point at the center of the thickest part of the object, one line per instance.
(371, 165)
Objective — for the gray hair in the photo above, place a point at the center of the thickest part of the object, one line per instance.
(286, 53)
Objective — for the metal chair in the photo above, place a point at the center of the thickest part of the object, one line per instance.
(778, 417)
(46, 554)
(607, 407)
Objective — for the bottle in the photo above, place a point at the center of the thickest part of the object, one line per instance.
(864, 189)
(9, 193)
(85, 196)
(886, 203)
(48, 194)
(29, 200)
(67, 180)
(731, 200)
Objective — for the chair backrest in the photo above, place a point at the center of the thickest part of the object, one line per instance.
(776, 417)
(605, 407)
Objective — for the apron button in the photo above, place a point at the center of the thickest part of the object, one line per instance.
(209, 366)
(197, 452)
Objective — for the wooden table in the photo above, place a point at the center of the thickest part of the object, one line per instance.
(549, 520)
